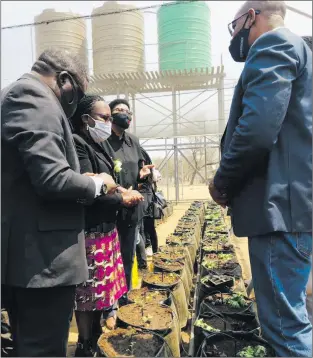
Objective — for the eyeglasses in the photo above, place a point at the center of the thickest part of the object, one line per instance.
(232, 25)
(105, 117)
(122, 110)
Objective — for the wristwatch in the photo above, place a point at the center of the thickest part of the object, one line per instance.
(104, 189)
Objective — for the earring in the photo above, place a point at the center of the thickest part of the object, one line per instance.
(87, 126)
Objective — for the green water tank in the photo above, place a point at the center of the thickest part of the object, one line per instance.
(184, 36)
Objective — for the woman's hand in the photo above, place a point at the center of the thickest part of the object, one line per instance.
(131, 198)
(145, 171)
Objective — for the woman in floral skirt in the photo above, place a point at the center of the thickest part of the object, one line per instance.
(106, 278)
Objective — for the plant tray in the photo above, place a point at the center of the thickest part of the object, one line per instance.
(219, 281)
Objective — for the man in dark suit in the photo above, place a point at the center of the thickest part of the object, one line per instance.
(265, 174)
(42, 241)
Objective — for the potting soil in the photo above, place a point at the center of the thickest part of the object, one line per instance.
(123, 343)
(228, 347)
(144, 295)
(149, 316)
(161, 279)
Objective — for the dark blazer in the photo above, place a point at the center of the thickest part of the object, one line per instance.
(266, 167)
(42, 216)
(101, 215)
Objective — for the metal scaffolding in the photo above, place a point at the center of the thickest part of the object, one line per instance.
(175, 81)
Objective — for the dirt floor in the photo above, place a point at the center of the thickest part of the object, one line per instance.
(166, 228)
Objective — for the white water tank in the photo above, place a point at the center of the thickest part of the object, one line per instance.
(68, 35)
(117, 39)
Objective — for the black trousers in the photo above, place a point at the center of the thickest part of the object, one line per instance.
(141, 247)
(150, 233)
(40, 319)
(128, 236)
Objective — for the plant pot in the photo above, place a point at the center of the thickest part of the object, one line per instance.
(229, 345)
(205, 289)
(179, 250)
(177, 241)
(154, 317)
(210, 237)
(145, 295)
(229, 323)
(132, 342)
(178, 268)
(218, 246)
(172, 282)
(216, 302)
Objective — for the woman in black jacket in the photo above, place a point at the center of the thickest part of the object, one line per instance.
(106, 283)
(125, 147)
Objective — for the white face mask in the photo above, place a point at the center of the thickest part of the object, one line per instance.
(101, 131)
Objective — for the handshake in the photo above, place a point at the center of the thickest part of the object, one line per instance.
(130, 197)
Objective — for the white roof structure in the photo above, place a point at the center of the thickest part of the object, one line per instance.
(154, 81)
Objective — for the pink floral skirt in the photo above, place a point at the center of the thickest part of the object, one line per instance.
(106, 282)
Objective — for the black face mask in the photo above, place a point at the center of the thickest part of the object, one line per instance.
(121, 119)
(239, 46)
(69, 99)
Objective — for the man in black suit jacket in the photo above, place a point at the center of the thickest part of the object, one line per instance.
(43, 193)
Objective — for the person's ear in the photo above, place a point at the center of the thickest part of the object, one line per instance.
(84, 118)
(252, 16)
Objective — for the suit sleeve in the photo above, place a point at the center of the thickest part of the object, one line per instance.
(32, 125)
(86, 167)
(267, 79)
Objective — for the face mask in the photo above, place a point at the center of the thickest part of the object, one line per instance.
(121, 119)
(69, 99)
(101, 131)
(239, 46)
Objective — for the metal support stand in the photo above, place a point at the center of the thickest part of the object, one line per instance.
(176, 175)
(134, 112)
(221, 108)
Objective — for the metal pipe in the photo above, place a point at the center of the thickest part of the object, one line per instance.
(167, 183)
(134, 112)
(299, 12)
(174, 113)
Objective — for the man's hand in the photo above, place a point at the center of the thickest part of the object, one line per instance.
(109, 182)
(145, 171)
(219, 198)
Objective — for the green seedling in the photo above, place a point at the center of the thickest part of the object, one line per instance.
(250, 352)
(200, 323)
(236, 301)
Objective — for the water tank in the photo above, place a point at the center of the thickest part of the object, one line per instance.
(117, 39)
(184, 36)
(68, 35)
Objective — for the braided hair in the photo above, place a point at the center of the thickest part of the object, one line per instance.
(85, 106)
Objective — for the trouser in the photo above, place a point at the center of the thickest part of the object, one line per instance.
(127, 235)
(309, 302)
(141, 247)
(150, 233)
(281, 264)
(40, 320)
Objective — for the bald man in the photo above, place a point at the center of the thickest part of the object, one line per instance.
(265, 173)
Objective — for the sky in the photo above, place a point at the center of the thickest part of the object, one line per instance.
(17, 52)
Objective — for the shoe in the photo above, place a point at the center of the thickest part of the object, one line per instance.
(149, 251)
(84, 349)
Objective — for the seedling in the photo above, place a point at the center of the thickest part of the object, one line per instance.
(200, 323)
(236, 301)
(250, 352)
